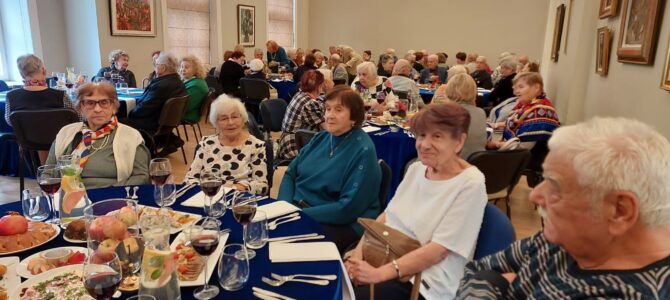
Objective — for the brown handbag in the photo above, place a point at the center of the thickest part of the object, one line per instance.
(382, 244)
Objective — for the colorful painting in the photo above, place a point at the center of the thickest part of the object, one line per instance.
(132, 17)
(608, 8)
(640, 22)
(246, 25)
(603, 51)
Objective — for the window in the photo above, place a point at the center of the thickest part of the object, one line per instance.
(188, 28)
(3, 57)
(280, 22)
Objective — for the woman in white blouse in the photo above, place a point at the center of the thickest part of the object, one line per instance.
(440, 203)
(239, 156)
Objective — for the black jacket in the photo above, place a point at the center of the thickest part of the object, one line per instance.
(147, 111)
(128, 76)
(483, 79)
(230, 75)
(502, 90)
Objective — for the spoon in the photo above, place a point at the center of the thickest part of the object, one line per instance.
(127, 192)
(135, 188)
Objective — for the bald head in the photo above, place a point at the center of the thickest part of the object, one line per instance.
(390, 51)
(402, 67)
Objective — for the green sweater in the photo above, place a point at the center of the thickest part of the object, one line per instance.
(197, 91)
(339, 189)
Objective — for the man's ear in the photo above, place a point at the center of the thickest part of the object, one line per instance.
(621, 211)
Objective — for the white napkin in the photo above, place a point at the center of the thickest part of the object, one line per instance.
(371, 128)
(277, 208)
(294, 252)
(198, 200)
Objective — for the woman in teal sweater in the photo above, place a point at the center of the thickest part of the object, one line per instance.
(193, 74)
(336, 178)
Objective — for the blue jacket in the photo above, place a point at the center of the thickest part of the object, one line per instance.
(441, 72)
(279, 56)
(148, 108)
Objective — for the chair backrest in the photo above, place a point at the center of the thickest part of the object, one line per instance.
(254, 130)
(302, 137)
(254, 89)
(502, 169)
(385, 184)
(145, 82)
(401, 94)
(171, 114)
(3, 86)
(496, 233)
(37, 129)
(213, 82)
(272, 113)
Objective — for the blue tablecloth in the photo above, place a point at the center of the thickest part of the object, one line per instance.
(135, 93)
(260, 265)
(9, 150)
(396, 149)
(284, 88)
(426, 95)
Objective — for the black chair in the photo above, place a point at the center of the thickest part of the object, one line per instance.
(385, 186)
(253, 92)
(269, 152)
(302, 137)
(213, 83)
(3, 86)
(35, 130)
(533, 171)
(272, 113)
(145, 82)
(502, 170)
(204, 109)
(170, 119)
(404, 95)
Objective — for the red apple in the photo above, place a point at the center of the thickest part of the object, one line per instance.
(14, 224)
(115, 229)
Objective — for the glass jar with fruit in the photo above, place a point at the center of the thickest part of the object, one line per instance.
(158, 277)
(111, 226)
(72, 194)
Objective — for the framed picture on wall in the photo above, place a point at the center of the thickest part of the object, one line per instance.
(608, 8)
(640, 22)
(603, 50)
(558, 31)
(665, 81)
(132, 17)
(246, 25)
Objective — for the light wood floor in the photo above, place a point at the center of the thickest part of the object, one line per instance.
(524, 218)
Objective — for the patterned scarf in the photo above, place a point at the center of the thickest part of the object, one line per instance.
(84, 148)
(35, 82)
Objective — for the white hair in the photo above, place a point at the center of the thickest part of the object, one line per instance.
(226, 104)
(327, 74)
(169, 60)
(457, 69)
(367, 66)
(618, 154)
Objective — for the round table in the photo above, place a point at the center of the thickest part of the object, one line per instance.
(284, 88)
(259, 266)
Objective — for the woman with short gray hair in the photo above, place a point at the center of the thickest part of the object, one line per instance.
(502, 90)
(236, 154)
(118, 60)
(385, 65)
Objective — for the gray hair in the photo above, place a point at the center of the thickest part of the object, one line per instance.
(510, 63)
(226, 104)
(482, 58)
(115, 55)
(336, 57)
(367, 66)
(620, 155)
(29, 64)
(402, 67)
(318, 54)
(167, 59)
(385, 58)
(457, 69)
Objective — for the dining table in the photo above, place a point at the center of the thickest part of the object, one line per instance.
(260, 266)
(127, 100)
(284, 88)
(428, 93)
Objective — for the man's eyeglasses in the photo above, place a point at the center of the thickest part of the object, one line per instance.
(104, 103)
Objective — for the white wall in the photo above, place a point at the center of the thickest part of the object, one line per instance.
(83, 45)
(228, 29)
(487, 27)
(628, 90)
(53, 35)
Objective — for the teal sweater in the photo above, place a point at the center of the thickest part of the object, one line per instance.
(197, 91)
(339, 189)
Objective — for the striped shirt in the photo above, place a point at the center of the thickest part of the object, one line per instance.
(546, 271)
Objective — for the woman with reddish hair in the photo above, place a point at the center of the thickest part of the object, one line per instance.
(231, 72)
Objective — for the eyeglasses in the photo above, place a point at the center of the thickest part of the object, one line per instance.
(104, 103)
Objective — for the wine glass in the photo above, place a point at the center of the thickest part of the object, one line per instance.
(210, 183)
(35, 204)
(159, 171)
(204, 239)
(244, 209)
(102, 275)
(49, 178)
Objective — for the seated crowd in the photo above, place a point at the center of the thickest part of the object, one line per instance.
(604, 203)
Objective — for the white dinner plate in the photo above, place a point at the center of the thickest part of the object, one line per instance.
(74, 241)
(77, 269)
(11, 279)
(56, 227)
(212, 260)
(174, 230)
(22, 268)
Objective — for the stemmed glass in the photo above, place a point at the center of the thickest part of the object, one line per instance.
(210, 183)
(102, 275)
(244, 209)
(159, 171)
(204, 238)
(49, 178)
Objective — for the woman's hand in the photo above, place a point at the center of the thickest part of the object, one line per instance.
(273, 64)
(362, 272)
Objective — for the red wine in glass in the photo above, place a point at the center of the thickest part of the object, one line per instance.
(244, 213)
(50, 185)
(205, 244)
(102, 285)
(380, 100)
(393, 112)
(69, 85)
(159, 177)
(402, 113)
(367, 106)
(211, 188)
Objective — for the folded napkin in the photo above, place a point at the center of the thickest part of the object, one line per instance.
(294, 252)
(198, 200)
(371, 128)
(277, 208)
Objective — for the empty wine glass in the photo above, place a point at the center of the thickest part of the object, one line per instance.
(204, 239)
(244, 209)
(49, 179)
(35, 204)
(102, 275)
(210, 183)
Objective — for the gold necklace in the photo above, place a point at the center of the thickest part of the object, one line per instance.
(332, 150)
(104, 144)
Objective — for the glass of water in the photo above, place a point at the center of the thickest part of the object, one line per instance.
(257, 231)
(36, 205)
(233, 268)
(168, 195)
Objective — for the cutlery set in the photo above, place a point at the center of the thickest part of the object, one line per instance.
(278, 280)
(283, 219)
(134, 195)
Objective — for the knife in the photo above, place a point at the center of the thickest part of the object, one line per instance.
(269, 293)
(318, 237)
(291, 237)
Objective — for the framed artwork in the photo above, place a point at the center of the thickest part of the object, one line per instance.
(246, 25)
(665, 81)
(608, 8)
(640, 22)
(132, 17)
(603, 50)
(558, 31)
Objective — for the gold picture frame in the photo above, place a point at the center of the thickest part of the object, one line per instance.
(558, 31)
(608, 8)
(603, 41)
(665, 80)
(640, 22)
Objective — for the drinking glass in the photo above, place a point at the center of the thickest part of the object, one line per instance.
(159, 171)
(204, 239)
(210, 183)
(49, 178)
(244, 209)
(122, 87)
(107, 75)
(102, 275)
(257, 231)
(233, 269)
(165, 195)
(35, 204)
(141, 297)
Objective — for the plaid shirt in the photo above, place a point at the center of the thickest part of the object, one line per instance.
(302, 113)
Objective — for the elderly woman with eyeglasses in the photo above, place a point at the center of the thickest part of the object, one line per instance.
(118, 63)
(112, 154)
(238, 155)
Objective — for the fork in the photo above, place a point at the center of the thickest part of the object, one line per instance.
(292, 277)
(273, 225)
(279, 219)
(279, 282)
(128, 192)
